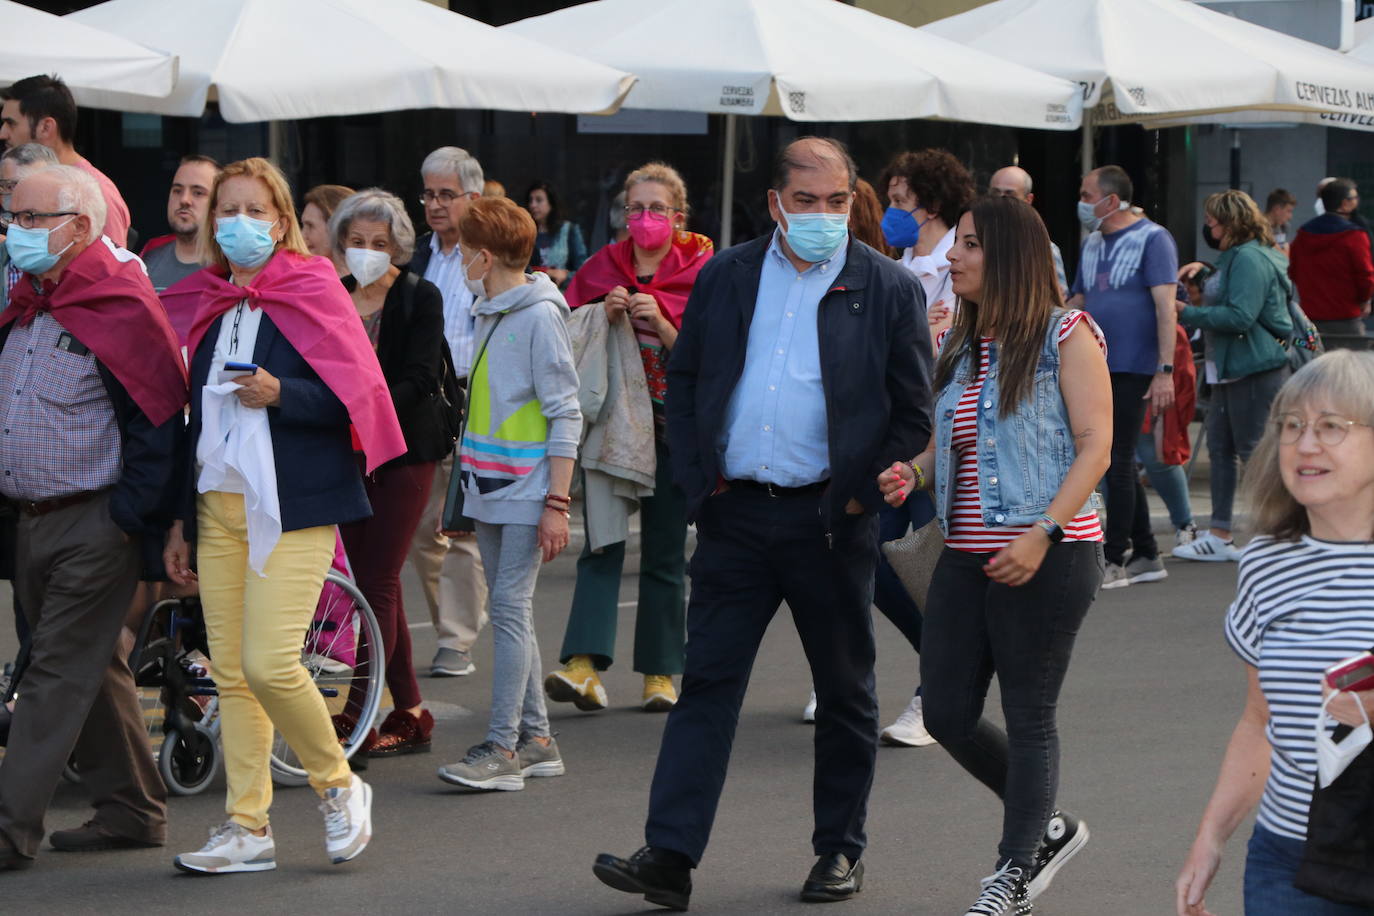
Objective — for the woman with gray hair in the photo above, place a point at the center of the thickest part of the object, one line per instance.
(404, 318)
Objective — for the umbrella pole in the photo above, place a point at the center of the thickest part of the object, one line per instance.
(1087, 140)
(727, 195)
(1235, 159)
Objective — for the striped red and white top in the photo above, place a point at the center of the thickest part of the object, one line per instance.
(966, 529)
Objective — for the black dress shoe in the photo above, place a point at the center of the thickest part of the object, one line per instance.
(93, 836)
(663, 876)
(833, 877)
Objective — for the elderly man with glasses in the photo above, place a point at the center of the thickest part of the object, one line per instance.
(94, 389)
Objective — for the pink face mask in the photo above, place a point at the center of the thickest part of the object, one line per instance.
(649, 230)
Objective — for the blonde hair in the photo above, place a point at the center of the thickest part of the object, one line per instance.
(280, 191)
(1240, 218)
(664, 174)
(1343, 381)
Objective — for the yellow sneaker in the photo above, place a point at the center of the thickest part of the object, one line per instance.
(578, 683)
(659, 695)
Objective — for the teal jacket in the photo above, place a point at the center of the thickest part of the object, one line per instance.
(1250, 313)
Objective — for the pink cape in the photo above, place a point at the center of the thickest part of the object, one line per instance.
(614, 266)
(109, 305)
(182, 302)
(305, 300)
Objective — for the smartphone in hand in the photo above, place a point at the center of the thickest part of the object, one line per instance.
(233, 370)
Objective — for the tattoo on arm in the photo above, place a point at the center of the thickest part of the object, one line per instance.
(1085, 434)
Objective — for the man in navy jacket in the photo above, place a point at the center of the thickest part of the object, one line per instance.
(802, 370)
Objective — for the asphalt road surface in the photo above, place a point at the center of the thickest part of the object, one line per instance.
(1148, 707)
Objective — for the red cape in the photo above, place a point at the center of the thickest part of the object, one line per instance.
(109, 305)
(182, 302)
(614, 266)
(305, 300)
(155, 244)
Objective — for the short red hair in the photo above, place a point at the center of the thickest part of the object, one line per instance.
(501, 226)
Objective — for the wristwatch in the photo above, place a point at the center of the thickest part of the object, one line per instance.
(1166, 368)
(1051, 528)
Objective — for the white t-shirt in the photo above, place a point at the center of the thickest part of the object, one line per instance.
(933, 271)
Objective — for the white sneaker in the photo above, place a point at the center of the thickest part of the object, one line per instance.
(231, 848)
(347, 820)
(910, 728)
(809, 710)
(1185, 535)
(1208, 548)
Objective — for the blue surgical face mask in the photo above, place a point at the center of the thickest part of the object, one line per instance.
(901, 227)
(245, 241)
(814, 237)
(28, 248)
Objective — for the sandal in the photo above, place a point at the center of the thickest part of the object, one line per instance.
(403, 733)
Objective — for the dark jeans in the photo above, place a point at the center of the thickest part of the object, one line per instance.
(377, 550)
(1235, 422)
(662, 586)
(974, 628)
(1128, 514)
(754, 552)
(1271, 862)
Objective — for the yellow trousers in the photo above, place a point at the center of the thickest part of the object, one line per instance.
(256, 627)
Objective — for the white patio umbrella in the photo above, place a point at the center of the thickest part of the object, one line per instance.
(85, 57)
(1141, 59)
(269, 60)
(808, 60)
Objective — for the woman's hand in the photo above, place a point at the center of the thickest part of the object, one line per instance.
(1197, 874)
(897, 482)
(1343, 708)
(553, 532)
(176, 557)
(645, 307)
(617, 302)
(939, 315)
(261, 389)
(1018, 562)
(1190, 270)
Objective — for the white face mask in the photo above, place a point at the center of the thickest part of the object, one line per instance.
(1333, 758)
(477, 287)
(367, 264)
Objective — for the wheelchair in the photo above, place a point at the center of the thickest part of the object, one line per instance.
(170, 663)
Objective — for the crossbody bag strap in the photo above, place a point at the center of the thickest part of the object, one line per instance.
(467, 393)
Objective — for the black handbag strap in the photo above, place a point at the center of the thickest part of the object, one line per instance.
(467, 392)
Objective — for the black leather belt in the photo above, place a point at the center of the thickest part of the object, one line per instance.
(776, 491)
(44, 506)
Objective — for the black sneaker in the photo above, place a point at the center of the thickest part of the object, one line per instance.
(1004, 892)
(1063, 838)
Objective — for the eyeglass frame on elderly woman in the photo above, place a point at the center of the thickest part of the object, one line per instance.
(1331, 434)
(633, 210)
(25, 218)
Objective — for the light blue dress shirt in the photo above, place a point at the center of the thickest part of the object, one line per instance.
(775, 423)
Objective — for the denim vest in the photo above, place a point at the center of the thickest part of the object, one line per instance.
(1022, 458)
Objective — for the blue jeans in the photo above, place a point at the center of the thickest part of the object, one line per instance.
(511, 559)
(1270, 865)
(1170, 481)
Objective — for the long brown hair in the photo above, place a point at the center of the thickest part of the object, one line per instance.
(1020, 292)
(866, 217)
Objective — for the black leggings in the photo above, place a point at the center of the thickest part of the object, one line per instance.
(975, 627)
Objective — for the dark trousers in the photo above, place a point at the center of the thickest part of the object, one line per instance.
(75, 576)
(1128, 514)
(377, 549)
(1235, 422)
(661, 610)
(754, 552)
(974, 628)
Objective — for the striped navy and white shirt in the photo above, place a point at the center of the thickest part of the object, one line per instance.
(446, 272)
(1300, 607)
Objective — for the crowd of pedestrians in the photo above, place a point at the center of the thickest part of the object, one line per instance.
(263, 388)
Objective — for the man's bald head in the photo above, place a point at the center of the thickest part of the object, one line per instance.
(1011, 181)
(813, 153)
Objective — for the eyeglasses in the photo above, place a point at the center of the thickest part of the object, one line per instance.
(1329, 428)
(8, 184)
(444, 197)
(635, 210)
(28, 219)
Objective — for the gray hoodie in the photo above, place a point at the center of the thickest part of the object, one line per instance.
(522, 403)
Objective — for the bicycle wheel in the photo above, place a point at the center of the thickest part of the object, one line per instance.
(351, 683)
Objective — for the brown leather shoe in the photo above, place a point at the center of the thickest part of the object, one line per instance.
(94, 837)
(403, 733)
